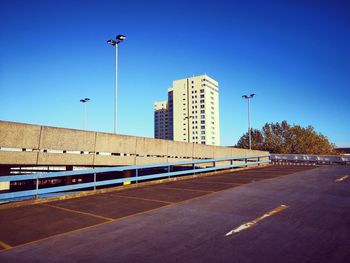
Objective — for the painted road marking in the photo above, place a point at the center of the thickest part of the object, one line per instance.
(186, 189)
(4, 245)
(342, 178)
(255, 221)
(105, 222)
(78, 212)
(216, 182)
(144, 199)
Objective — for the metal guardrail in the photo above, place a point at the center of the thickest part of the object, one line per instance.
(245, 161)
(308, 158)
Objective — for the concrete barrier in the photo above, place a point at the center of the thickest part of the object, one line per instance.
(24, 144)
(18, 158)
(111, 143)
(203, 151)
(17, 135)
(65, 159)
(101, 160)
(221, 152)
(151, 147)
(178, 150)
(149, 160)
(67, 139)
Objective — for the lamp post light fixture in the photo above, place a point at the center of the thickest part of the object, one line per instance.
(84, 101)
(118, 39)
(248, 97)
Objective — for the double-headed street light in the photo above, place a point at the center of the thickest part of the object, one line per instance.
(248, 97)
(118, 39)
(84, 101)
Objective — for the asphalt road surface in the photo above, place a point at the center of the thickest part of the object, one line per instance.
(272, 214)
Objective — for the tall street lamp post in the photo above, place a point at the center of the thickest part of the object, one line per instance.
(248, 97)
(118, 39)
(84, 101)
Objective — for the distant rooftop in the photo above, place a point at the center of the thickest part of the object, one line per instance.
(200, 76)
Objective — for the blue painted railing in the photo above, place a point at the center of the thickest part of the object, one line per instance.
(245, 161)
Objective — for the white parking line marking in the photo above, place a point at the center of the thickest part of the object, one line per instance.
(255, 221)
(342, 178)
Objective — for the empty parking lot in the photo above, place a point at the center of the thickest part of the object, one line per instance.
(279, 208)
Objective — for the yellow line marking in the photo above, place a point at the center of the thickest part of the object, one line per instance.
(215, 182)
(233, 185)
(145, 199)
(255, 221)
(186, 189)
(78, 212)
(106, 222)
(57, 235)
(342, 178)
(4, 245)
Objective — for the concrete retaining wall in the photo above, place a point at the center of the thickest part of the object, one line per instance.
(25, 144)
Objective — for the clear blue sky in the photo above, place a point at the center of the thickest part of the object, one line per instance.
(295, 55)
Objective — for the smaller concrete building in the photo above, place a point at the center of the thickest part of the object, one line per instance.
(161, 128)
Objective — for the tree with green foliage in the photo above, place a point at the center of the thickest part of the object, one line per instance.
(285, 138)
(257, 140)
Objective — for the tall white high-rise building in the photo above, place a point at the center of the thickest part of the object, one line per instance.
(193, 111)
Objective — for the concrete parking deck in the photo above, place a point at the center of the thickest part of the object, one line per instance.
(186, 221)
